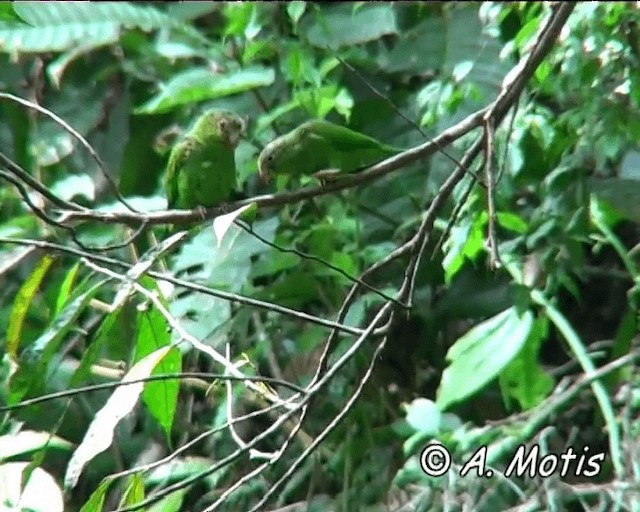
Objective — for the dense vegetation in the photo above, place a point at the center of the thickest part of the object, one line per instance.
(481, 289)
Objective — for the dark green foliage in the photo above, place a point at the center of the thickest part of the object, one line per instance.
(478, 344)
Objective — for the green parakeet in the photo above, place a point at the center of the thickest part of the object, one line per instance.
(320, 145)
(202, 168)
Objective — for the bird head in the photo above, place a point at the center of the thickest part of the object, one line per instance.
(227, 125)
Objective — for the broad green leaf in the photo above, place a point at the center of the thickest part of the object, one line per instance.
(203, 84)
(22, 302)
(56, 37)
(481, 354)
(239, 16)
(338, 25)
(99, 435)
(523, 379)
(512, 221)
(465, 242)
(621, 193)
(60, 13)
(420, 49)
(113, 326)
(160, 397)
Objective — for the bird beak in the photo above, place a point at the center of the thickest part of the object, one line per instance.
(263, 175)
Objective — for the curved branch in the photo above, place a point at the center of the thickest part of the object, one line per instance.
(78, 136)
(26, 178)
(367, 175)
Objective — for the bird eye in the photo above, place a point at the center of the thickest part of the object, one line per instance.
(222, 123)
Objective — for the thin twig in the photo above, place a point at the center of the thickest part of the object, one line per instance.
(327, 264)
(184, 335)
(231, 297)
(158, 377)
(78, 136)
(26, 178)
(491, 206)
(335, 421)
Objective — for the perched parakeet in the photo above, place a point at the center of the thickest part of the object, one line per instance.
(202, 168)
(320, 145)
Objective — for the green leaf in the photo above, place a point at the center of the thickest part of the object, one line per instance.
(295, 10)
(512, 221)
(170, 503)
(337, 26)
(22, 302)
(97, 498)
(59, 26)
(465, 242)
(113, 326)
(66, 287)
(203, 84)
(481, 354)
(60, 14)
(160, 397)
(523, 378)
(419, 49)
(133, 492)
(56, 38)
(621, 193)
(35, 358)
(8, 13)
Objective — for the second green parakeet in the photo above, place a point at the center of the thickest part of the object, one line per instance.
(201, 171)
(319, 145)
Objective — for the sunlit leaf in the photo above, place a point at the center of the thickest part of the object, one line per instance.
(99, 435)
(222, 223)
(424, 416)
(26, 442)
(41, 494)
(22, 302)
(482, 353)
(203, 84)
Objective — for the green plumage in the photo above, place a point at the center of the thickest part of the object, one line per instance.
(320, 145)
(202, 170)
